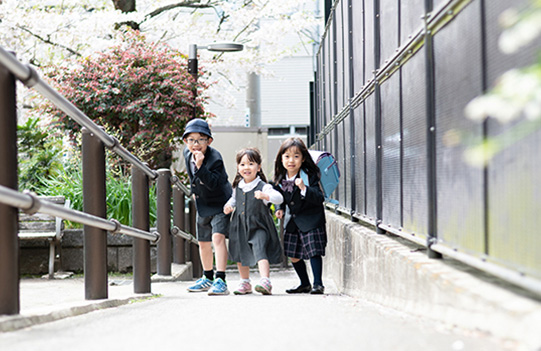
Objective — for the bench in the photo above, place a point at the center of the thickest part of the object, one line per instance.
(42, 226)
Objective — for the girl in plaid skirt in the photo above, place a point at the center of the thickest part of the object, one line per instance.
(296, 177)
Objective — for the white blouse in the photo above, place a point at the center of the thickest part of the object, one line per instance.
(274, 196)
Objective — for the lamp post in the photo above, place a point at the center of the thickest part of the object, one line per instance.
(192, 61)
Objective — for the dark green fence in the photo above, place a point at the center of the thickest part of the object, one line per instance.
(392, 82)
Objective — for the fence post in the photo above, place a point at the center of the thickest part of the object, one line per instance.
(163, 219)
(379, 140)
(352, 135)
(179, 220)
(194, 249)
(95, 203)
(9, 245)
(140, 220)
(432, 200)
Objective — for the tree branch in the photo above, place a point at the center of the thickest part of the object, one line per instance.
(249, 24)
(196, 4)
(48, 41)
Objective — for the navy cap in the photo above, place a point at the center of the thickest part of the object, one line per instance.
(197, 125)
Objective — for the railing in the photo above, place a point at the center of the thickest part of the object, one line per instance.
(392, 81)
(95, 139)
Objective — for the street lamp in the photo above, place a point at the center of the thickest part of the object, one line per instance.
(192, 60)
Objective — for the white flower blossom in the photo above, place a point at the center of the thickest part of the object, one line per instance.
(47, 32)
(521, 32)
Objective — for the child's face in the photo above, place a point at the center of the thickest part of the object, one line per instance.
(292, 161)
(248, 169)
(197, 142)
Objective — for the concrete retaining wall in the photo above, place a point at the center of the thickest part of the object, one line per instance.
(396, 273)
(34, 254)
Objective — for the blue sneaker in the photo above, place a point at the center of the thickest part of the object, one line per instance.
(219, 287)
(202, 284)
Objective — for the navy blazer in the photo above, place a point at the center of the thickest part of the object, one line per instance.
(209, 184)
(307, 212)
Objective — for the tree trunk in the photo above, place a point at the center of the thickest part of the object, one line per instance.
(125, 5)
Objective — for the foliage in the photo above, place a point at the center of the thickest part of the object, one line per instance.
(516, 97)
(40, 155)
(118, 192)
(142, 93)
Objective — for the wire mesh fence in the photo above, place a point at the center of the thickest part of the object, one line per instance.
(392, 83)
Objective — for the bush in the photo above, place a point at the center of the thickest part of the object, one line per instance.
(118, 193)
(40, 155)
(141, 92)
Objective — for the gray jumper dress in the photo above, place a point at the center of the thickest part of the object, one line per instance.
(252, 234)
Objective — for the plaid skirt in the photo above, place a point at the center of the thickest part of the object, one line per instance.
(305, 245)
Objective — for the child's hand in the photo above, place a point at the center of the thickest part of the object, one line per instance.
(279, 214)
(228, 209)
(198, 157)
(261, 195)
(300, 184)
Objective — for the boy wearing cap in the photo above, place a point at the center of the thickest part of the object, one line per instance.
(211, 190)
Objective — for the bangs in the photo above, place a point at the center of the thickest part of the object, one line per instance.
(251, 154)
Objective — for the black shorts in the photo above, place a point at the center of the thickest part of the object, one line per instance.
(206, 226)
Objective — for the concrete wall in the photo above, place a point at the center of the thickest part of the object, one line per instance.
(34, 254)
(396, 273)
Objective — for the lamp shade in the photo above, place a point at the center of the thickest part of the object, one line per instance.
(225, 47)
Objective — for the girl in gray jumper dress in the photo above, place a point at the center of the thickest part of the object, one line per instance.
(252, 234)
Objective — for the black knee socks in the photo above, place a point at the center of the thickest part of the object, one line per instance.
(300, 268)
(317, 269)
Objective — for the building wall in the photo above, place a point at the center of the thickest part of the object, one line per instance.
(284, 96)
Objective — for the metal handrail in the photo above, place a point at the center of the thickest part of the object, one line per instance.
(30, 203)
(176, 182)
(176, 231)
(29, 77)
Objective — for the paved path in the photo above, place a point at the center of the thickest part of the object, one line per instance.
(176, 319)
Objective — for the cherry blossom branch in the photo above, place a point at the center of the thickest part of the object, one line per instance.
(48, 41)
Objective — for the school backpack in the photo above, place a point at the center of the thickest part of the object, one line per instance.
(330, 174)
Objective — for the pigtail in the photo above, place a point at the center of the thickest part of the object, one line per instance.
(262, 176)
(237, 179)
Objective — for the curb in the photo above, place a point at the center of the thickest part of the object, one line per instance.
(40, 315)
(11, 323)
(179, 272)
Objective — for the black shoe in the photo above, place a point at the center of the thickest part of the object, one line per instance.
(318, 290)
(301, 289)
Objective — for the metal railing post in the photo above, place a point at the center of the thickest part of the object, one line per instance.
(194, 249)
(179, 220)
(94, 202)
(140, 220)
(432, 201)
(163, 219)
(9, 245)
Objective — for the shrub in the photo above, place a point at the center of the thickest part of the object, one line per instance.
(118, 193)
(40, 155)
(140, 91)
